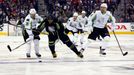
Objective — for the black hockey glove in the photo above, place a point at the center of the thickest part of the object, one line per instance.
(36, 31)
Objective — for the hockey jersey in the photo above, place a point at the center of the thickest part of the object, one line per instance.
(83, 21)
(73, 24)
(30, 23)
(100, 20)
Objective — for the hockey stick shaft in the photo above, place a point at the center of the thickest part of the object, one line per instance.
(8, 46)
(119, 45)
(17, 26)
(27, 28)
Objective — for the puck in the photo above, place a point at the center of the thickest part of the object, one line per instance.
(40, 61)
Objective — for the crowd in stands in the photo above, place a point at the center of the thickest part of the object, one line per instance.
(15, 9)
(63, 9)
(128, 15)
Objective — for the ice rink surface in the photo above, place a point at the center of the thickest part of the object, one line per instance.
(67, 63)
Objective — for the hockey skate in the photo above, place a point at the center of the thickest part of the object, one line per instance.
(80, 55)
(102, 51)
(38, 55)
(54, 55)
(28, 55)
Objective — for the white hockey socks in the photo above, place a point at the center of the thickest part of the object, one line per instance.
(36, 46)
(105, 42)
(28, 48)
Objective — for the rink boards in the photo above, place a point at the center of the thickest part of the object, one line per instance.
(121, 28)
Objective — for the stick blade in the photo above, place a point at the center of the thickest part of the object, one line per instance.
(9, 48)
(125, 53)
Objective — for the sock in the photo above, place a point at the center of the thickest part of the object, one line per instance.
(105, 42)
(36, 45)
(75, 38)
(28, 48)
(52, 48)
(86, 43)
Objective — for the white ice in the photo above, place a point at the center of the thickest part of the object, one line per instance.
(67, 63)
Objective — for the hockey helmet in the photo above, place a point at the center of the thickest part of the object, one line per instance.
(75, 14)
(32, 11)
(104, 5)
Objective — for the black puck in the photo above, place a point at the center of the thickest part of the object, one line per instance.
(40, 61)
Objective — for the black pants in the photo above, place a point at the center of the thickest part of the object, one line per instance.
(98, 32)
(64, 38)
(26, 36)
(67, 31)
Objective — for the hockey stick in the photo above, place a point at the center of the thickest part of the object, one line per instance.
(45, 33)
(119, 45)
(17, 26)
(8, 46)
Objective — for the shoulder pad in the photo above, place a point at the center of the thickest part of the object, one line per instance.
(109, 13)
(98, 11)
(71, 18)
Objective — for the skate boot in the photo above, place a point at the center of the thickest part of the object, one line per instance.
(102, 51)
(54, 55)
(38, 55)
(80, 55)
(28, 55)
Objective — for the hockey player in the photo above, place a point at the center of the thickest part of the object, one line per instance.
(99, 21)
(30, 33)
(91, 26)
(56, 32)
(83, 20)
(72, 26)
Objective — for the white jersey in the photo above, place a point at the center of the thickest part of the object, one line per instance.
(100, 20)
(30, 23)
(90, 18)
(73, 24)
(83, 21)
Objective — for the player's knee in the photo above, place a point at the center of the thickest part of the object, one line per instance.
(90, 40)
(36, 41)
(28, 40)
(37, 37)
(51, 43)
(107, 39)
(65, 42)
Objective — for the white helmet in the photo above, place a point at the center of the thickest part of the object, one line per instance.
(75, 14)
(32, 11)
(104, 5)
(83, 12)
